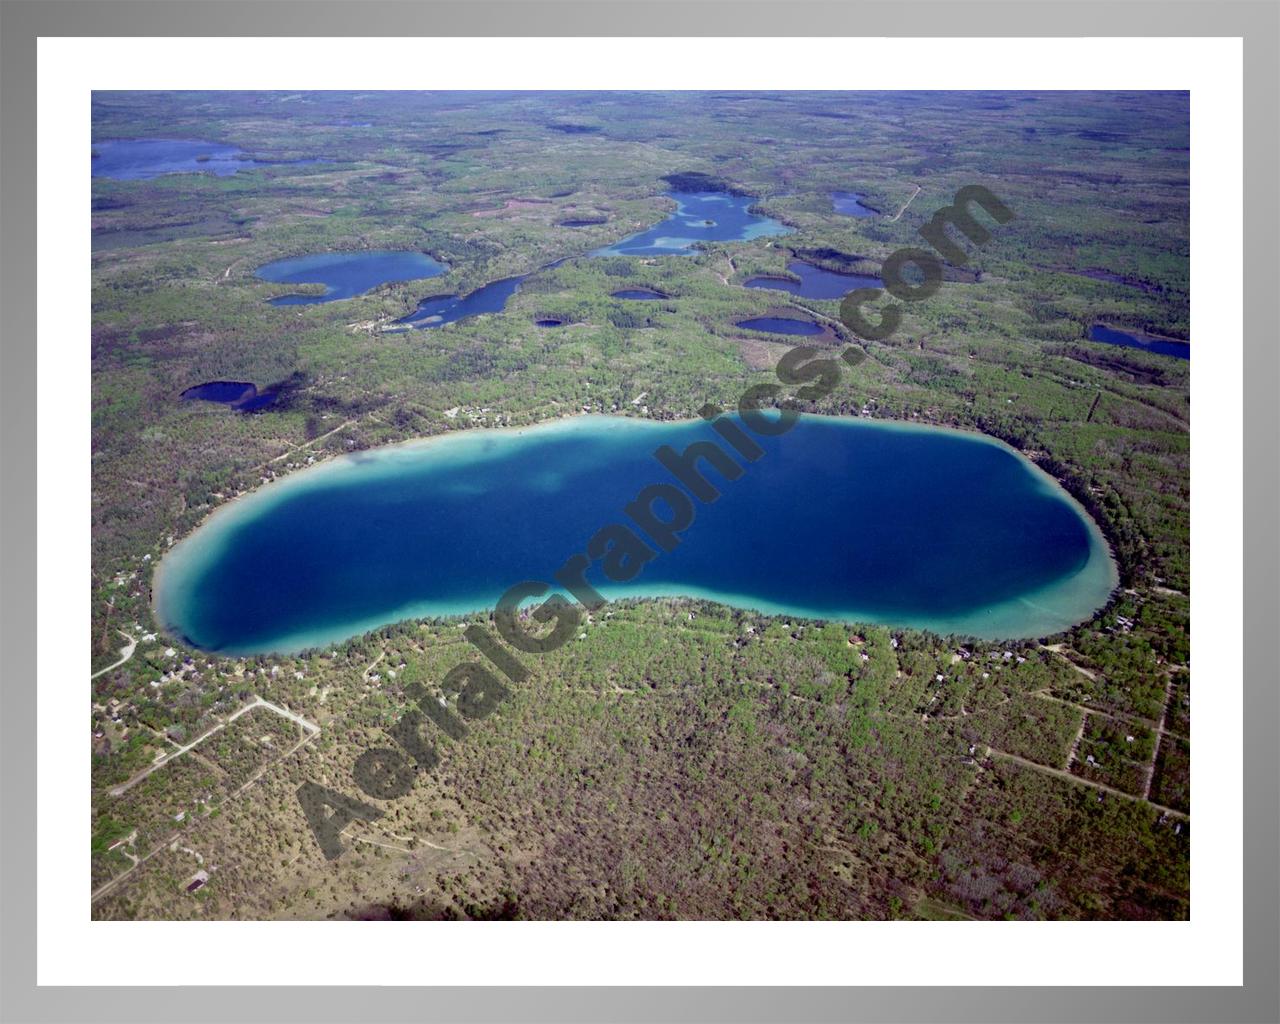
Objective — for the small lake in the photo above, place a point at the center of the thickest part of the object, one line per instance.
(637, 294)
(133, 159)
(239, 394)
(841, 518)
(814, 283)
(850, 204)
(1136, 339)
(699, 217)
(438, 310)
(346, 274)
(782, 325)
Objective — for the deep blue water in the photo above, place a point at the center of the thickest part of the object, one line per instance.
(238, 394)
(226, 391)
(148, 158)
(840, 518)
(346, 274)
(782, 325)
(639, 294)
(438, 310)
(850, 204)
(815, 283)
(260, 400)
(1127, 339)
(699, 217)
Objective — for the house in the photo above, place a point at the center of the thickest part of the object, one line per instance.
(197, 880)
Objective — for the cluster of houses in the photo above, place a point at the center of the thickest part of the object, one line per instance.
(474, 415)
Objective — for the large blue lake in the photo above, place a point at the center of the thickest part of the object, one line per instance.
(699, 217)
(840, 518)
(132, 159)
(346, 274)
(814, 282)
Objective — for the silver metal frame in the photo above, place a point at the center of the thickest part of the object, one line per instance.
(21, 23)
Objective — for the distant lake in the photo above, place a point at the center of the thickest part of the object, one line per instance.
(346, 274)
(844, 519)
(695, 210)
(815, 283)
(639, 294)
(131, 159)
(782, 325)
(1136, 339)
(699, 217)
(850, 204)
(438, 310)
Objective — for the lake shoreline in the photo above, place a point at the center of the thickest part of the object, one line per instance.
(194, 543)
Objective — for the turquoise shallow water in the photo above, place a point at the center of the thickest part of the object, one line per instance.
(840, 518)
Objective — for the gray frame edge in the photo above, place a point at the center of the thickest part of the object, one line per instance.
(23, 21)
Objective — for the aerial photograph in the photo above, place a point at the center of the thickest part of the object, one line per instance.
(618, 505)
